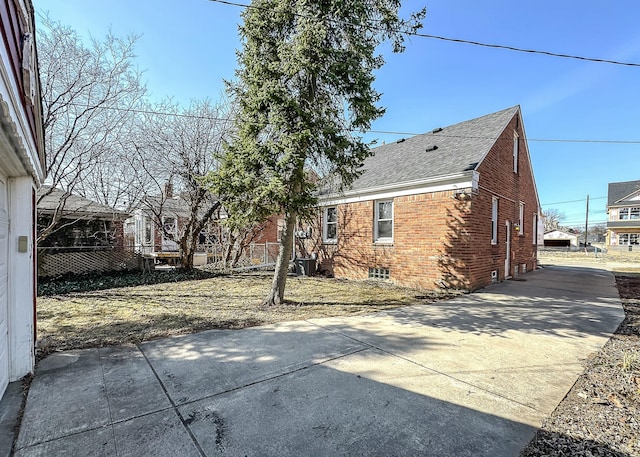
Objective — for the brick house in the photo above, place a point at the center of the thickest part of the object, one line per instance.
(22, 164)
(623, 221)
(453, 208)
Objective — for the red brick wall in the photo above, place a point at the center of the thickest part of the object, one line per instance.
(498, 179)
(440, 241)
(268, 231)
(421, 248)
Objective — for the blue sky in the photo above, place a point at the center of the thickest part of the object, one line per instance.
(188, 47)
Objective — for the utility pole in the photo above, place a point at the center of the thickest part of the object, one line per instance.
(586, 225)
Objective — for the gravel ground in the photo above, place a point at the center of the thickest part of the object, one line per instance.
(600, 416)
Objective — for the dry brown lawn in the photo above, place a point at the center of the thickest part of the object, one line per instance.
(135, 314)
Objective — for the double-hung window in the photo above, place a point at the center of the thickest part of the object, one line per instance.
(521, 220)
(494, 220)
(383, 225)
(148, 231)
(330, 225)
(629, 239)
(629, 213)
(516, 142)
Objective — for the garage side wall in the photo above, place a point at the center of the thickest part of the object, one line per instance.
(21, 277)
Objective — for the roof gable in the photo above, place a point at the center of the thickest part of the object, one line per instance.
(445, 151)
(621, 192)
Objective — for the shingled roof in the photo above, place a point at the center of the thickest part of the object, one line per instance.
(619, 191)
(75, 206)
(442, 152)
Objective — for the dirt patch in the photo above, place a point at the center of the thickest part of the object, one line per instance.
(600, 416)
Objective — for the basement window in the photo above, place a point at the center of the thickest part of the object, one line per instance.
(379, 273)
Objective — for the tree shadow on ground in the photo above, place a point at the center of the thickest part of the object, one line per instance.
(295, 390)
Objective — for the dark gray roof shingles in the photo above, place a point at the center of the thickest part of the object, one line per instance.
(460, 148)
(75, 205)
(619, 190)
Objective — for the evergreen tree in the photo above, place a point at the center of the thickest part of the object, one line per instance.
(304, 88)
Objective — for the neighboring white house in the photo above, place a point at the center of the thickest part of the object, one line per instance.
(558, 238)
(21, 172)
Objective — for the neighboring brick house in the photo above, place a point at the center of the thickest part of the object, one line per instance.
(22, 164)
(623, 209)
(453, 208)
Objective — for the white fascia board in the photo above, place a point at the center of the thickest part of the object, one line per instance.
(458, 181)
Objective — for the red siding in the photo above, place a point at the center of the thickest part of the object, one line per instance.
(12, 36)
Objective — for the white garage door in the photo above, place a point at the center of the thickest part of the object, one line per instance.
(4, 303)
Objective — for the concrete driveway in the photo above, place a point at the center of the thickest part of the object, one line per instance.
(473, 376)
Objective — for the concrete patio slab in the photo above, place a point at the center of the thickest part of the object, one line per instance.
(471, 376)
(331, 409)
(195, 366)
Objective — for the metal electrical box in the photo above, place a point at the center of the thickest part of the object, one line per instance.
(23, 244)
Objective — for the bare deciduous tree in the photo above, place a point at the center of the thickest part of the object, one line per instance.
(177, 150)
(88, 94)
(552, 219)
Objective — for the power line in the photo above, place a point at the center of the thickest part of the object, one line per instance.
(459, 40)
(544, 140)
(556, 140)
(572, 201)
(380, 132)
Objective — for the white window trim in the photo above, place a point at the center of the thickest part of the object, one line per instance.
(624, 239)
(147, 226)
(173, 228)
(325, 225)
(279, 229)
(376, 219)
(494, 220)
(521, 219)
(624, 214)
(516, 147)
(534, 229)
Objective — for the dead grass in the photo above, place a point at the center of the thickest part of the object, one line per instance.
(140, 313)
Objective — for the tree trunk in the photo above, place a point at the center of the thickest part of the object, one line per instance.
(276, 295)
(186, 252)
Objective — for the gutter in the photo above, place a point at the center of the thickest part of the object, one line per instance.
(456, 181)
